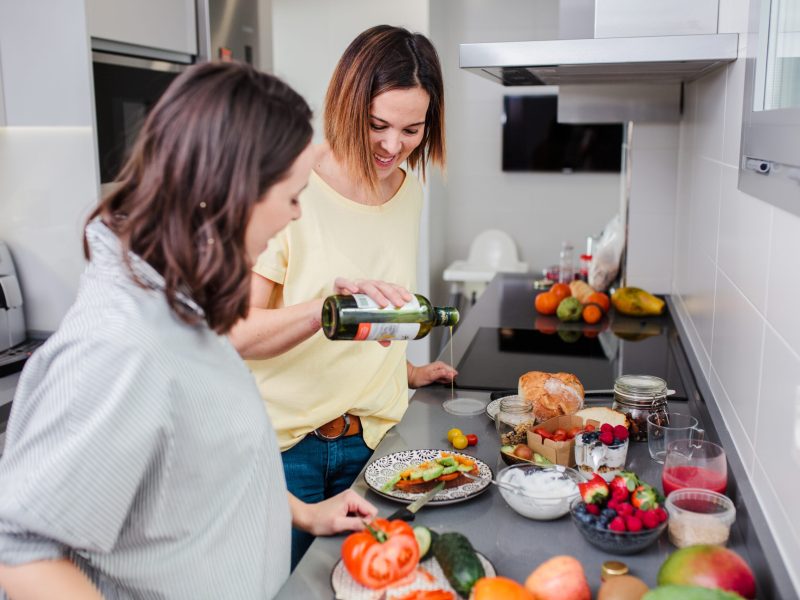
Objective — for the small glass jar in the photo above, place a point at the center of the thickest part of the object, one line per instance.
(513, 420)
(640, 396)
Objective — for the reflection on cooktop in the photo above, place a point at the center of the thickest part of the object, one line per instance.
(497, 357)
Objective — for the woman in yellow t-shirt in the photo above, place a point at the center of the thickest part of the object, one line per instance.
(332, 402)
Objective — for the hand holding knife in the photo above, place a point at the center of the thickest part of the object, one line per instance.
(407, 513)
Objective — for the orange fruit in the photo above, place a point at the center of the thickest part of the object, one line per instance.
(599, 298)
(546, 303)
(561, 290)
(592, 313)
(494, 588)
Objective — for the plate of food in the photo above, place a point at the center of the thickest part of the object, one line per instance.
(407, 564)
(404, 476)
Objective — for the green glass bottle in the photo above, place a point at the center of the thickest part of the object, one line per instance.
(358, 317)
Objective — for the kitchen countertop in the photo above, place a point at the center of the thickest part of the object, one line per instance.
(514, 544)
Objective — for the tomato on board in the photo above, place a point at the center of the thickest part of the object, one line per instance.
(385, 552)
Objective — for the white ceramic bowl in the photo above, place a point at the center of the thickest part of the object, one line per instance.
(543, 493)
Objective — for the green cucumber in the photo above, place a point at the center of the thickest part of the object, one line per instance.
(459, 562)
(424, 538)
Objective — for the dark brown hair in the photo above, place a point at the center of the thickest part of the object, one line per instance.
(209, 150)
(380, 59)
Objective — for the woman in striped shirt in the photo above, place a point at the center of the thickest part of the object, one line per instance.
(139, 459)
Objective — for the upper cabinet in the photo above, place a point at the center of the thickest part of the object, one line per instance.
(169, 25)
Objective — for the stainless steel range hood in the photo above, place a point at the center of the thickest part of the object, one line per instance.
(658, 59)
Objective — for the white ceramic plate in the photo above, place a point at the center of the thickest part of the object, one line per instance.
(493, 408)
(346, 588)
(380, 471)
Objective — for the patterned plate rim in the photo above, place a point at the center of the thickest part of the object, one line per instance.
(491, 571)
(494, 405)
(446, 496)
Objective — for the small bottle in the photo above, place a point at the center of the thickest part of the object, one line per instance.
(566, 268)
(586, 261)
(358, 317)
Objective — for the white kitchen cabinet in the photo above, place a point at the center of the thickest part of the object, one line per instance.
(162, 24)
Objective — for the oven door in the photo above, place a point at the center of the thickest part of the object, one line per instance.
(125, 89)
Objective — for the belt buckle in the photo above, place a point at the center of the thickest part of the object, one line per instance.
(321, 436)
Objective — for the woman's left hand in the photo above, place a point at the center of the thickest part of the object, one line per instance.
(346, 511)
(435, 372)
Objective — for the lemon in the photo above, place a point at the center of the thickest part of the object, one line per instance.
(459, 442)
(453, 433)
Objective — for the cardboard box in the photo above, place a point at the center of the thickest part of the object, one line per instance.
(561, 453)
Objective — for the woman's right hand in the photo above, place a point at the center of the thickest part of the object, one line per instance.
(382, 292)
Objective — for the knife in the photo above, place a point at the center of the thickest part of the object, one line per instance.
(407, 513)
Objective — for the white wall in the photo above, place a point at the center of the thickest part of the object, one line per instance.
(48, 174)
(308, 37)
(736, 266)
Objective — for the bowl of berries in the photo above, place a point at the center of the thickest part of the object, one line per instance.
(621, 517)
(601, 450)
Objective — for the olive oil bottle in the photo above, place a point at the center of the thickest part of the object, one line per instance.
(358, 317)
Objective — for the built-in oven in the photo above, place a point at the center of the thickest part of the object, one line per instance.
(125, 89)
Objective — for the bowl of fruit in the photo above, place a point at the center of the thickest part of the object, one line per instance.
(624, 516)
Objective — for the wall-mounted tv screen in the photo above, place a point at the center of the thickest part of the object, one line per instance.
(533, 140)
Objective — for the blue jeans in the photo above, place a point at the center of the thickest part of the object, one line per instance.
(316, 470)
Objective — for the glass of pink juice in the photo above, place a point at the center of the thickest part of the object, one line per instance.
(694, 464)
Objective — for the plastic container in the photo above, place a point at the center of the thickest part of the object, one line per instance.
(640, 396)
(699, 516)
(593, 456)
(545, 493)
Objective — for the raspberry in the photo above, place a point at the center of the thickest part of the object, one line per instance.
(617, 524)
(638, 513)
(650, 519)
(621, 432)
(661, 514)
(606, 427)
(620, 495)
(593, 509)
(633, 523)
(607, 438)
(613, 504)
(625, 509)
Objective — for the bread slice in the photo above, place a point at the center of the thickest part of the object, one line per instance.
(603, 414)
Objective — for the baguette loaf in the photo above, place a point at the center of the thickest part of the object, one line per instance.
(552, 394)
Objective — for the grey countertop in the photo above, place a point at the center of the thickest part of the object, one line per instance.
(514, 544)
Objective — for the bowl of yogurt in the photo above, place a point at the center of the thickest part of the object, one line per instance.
(539, 492)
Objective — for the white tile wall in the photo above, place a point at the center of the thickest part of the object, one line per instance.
(736, 287)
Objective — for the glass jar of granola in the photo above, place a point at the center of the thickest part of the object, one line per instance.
(513, 420)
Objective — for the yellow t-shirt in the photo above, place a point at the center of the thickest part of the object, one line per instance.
(320, 379)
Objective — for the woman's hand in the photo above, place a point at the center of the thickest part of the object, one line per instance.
(344, 512)
(435, 372)
(382, 292)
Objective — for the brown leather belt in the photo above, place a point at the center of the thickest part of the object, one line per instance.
(343, 426)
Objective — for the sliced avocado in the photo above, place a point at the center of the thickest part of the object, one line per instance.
(447, 461)
(417, 474)
(541, 460)
(432, 473)
(390, 484)
(450, 469)
(465, 468)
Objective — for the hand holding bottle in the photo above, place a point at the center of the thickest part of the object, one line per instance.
(382, 292)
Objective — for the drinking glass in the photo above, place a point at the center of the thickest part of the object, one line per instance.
(663, 428)
(694, 464)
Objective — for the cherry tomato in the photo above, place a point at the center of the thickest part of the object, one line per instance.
(560, 437)
(544, 433)
(472, 439)
(459, 442)
(453, 433)
(573, 432)
(560, 431)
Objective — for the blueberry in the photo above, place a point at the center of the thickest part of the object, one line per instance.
(580, 508)
(586, 438)
(604, 520)
(609, 512)
(600, 526)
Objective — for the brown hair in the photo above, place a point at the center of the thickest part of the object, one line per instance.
(209, 150)
(380, 59)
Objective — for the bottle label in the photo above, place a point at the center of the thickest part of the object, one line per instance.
(385, 331)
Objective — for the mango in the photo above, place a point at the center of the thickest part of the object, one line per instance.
(708, 566)
(688, 592)
(636, 302)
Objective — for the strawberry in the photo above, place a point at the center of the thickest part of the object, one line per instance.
(606, 427)
(621, 432)
(620, 495)
(593, 509)
(617, 524)
(650, 519)
(625, 509)
(594, 491)
(625, 481)
(607, 438)
(633, 524)
(644, 497)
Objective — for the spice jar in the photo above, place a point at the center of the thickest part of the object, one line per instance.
(513, 420)
(639, 396)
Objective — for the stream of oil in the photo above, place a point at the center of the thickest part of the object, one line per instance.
(453, 380)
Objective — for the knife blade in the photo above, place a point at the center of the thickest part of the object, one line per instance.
(407, 513)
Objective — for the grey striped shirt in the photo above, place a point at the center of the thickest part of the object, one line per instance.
(139, 447)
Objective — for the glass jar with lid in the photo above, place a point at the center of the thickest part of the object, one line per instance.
(513, 420)
(639, 396)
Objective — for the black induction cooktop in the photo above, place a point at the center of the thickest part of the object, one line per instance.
(497, 357)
